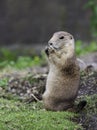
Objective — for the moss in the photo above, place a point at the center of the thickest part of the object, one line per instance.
(16, 115)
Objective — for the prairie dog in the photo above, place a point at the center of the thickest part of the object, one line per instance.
(64, 74)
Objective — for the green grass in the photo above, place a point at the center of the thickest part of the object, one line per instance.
(89, 114)
(3, 82)
(16, 60)
(16, 115)
(12, 59)
(82, 49)
(91, 104)
(19, 116)
(23, 62)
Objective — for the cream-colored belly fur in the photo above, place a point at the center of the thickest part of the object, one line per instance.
(61, 90)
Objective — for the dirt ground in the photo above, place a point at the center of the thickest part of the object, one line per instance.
(31, 86)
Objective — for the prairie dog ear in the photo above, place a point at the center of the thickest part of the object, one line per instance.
(71, 37)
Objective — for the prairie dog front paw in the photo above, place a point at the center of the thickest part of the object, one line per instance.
(49, 50)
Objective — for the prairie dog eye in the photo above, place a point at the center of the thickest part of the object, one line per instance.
(62, 37)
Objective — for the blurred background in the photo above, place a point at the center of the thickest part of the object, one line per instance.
(27, 25)
(34, 21)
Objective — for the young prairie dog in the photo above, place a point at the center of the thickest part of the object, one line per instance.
(64, 73)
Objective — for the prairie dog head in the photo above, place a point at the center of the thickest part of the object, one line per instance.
(61, 42)
(61, 39)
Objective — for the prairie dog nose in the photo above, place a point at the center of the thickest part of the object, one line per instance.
(50, 43)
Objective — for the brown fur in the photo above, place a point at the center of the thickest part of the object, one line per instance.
(63, 78)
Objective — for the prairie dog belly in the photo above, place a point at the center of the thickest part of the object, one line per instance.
(62, 87)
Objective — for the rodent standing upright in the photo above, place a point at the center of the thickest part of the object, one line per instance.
(64, 73)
